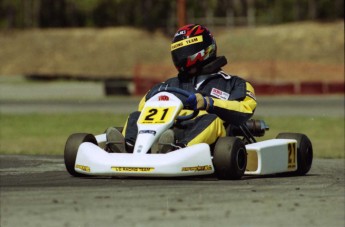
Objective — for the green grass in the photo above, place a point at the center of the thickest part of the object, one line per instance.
(47, 133)
(325, 133)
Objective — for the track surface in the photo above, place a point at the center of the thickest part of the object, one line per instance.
(37, 191)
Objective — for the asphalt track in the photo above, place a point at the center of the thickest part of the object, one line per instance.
(37, 191)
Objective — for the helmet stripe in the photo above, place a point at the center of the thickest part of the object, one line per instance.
(186, 42)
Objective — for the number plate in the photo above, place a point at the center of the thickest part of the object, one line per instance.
(292, 156)
(156, 115)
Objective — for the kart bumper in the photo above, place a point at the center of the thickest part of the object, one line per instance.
(189, 161)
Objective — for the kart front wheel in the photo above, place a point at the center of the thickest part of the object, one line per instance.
(230, 158)
(304, 151)
(71, 150)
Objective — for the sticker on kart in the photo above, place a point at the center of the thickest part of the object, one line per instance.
(156, 115)
(292, 156)
(132, 169)
(197, 168)
(84, 168)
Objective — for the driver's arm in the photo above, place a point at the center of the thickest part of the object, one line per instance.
(236, 111)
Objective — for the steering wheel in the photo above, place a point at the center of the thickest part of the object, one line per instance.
(181, 92)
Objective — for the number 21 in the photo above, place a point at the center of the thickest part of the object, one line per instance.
(153, 112)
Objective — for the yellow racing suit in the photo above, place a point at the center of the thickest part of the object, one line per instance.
(233, 102)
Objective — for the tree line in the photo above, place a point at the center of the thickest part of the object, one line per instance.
(153, 14)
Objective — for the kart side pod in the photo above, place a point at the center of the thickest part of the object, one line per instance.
(271, 156)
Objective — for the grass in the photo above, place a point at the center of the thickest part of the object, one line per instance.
(325, 133)
(47, 133)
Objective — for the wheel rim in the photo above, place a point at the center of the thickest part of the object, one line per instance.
(241, 159)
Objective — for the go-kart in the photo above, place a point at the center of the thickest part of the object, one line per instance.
(231, 157)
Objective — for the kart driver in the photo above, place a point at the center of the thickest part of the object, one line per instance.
(222, 98)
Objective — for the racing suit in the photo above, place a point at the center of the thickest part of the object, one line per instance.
(233, 103)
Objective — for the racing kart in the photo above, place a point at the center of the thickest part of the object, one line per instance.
(231, 157)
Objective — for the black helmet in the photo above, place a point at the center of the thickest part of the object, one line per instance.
(193, 46)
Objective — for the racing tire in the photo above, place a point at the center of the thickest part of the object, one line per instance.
(230, 158)
(117, 127)
(304, 151)
(120, 129)
(71, 150)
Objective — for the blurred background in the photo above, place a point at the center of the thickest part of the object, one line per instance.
(282, 46)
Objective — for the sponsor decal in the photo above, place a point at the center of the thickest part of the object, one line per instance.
(182, 32)
(186, 42)
(187, 30)
(132, 169)
(251, 94)
(197, 168)
(292, 151)
(219, 94)
(163, 98)
(84, 168)
(147, 132)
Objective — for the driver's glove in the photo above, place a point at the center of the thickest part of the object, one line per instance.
(197, 101)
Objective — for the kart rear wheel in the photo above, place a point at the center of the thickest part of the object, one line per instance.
(304, 151)
(230, 158)
(71, 150)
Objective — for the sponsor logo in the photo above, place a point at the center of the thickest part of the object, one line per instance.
(220, 94)
(84, 168)
(197, 168)
(251, 94)
(147, 132)
(182, 32)
(163, 98)
(292, 155)
(186, 42)
(132, 169)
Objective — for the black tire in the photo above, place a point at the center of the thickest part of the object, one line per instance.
(230, 158)
(71, 150)
(304, 151)
(118, 128)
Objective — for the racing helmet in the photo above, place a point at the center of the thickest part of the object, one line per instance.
(193, 46)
